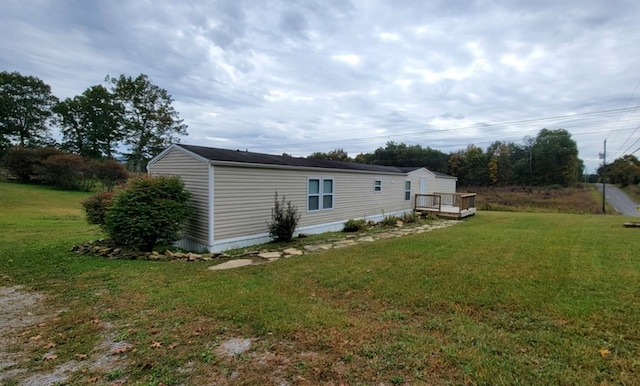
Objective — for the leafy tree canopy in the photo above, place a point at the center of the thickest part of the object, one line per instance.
(394, 154)
(149, 121)
(92, 123)
(25, 110)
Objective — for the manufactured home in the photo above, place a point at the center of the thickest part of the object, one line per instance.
(233, 193)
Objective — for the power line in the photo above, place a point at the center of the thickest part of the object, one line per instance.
(476, 126)
(627, 104)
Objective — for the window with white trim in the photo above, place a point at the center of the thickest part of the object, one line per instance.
(407, 190)
(319, 194)
(377, 185)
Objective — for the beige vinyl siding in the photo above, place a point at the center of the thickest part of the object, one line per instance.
(434, 184)
(195, 175)
(443, 185)
(244, 197)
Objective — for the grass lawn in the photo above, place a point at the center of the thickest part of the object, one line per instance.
(503, 298)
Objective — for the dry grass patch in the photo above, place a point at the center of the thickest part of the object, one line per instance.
(581, 200)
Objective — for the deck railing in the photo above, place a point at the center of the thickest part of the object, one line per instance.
(461, 200)
(431, 201)
(435, 201)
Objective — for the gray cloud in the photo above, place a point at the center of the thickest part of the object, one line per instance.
(304, 76)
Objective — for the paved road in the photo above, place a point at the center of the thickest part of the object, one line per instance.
(620, 200)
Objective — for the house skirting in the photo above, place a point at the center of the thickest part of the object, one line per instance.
(262, 238)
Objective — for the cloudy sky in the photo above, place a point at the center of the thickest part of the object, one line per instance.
(299, 76)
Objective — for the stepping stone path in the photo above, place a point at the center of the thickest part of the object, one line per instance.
(261, 257)
(232, 264)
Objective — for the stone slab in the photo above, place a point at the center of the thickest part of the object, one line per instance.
(270, 255)
(231, 264)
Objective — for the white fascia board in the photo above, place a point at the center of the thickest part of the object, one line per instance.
(176, 146)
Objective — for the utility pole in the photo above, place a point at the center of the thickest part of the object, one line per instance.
(604, 166)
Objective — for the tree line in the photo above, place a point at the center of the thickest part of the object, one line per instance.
(128, 116)
(551, 158)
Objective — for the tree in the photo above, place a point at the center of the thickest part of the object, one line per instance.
(91, 123)
(470, 166)
(335, 155)
(624, 171)
(25, 110)
(500, 163)
(147, 211)
(394, 154)
(555, 158)
(150, 121)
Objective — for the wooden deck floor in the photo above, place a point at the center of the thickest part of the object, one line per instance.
(448, 211)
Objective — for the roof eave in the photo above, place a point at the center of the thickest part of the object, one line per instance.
(301, 168)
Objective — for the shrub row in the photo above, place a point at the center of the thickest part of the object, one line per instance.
(55, 167)
(361, 225)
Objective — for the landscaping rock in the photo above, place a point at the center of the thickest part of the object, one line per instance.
(270, 255)
(293, 252)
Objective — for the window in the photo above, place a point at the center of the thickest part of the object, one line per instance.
(407, 190)
(320, 194)
(377, 186)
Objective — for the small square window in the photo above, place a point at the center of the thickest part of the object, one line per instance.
(377, 185)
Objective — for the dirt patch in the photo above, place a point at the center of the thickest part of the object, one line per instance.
(21, 310)
(232, 347)
(18, 310)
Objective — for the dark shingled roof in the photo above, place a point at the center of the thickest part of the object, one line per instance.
(215, 154)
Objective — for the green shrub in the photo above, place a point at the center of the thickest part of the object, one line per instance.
(284, 220)
(429, 216)
(409, 217)
(96, 207)
(389, 221)
(147, 211)
(355, 225)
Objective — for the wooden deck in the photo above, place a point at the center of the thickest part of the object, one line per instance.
(448, 205)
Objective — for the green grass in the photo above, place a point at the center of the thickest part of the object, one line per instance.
(503, 298)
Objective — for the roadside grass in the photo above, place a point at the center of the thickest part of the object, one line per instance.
(633, 191)
(502, 298)
(585, 199)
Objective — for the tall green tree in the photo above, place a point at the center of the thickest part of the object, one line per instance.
(92, 123)
(150, 121)
(555, 158)
(25, 111)
(500, 163)
(470, 166)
